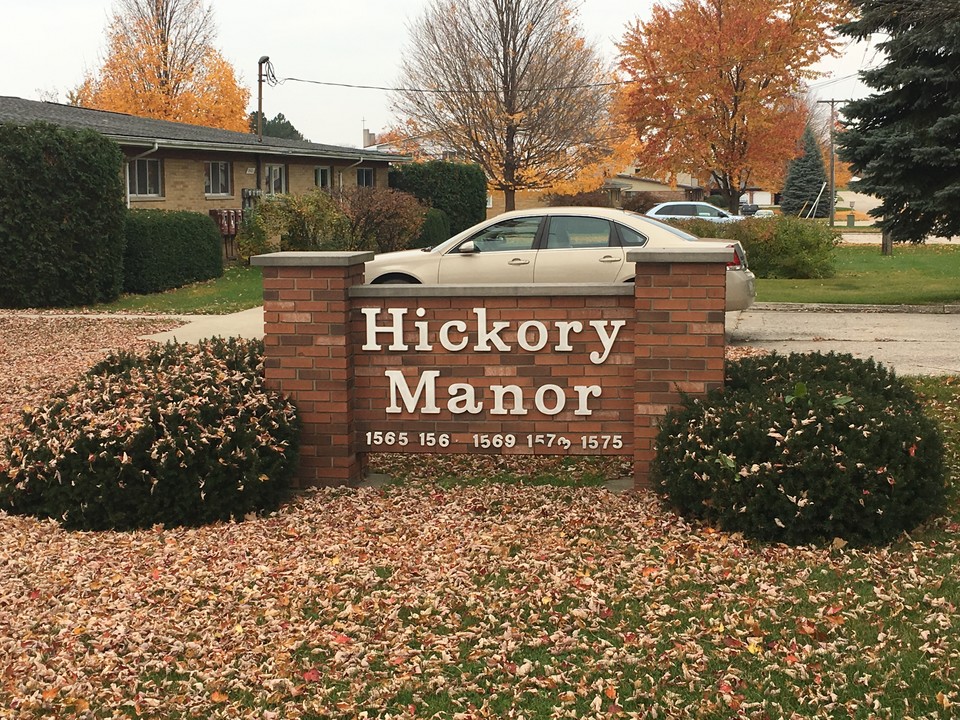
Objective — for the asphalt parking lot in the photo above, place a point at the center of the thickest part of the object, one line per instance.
(913, 341)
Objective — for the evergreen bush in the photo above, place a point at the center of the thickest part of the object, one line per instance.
(806, 180)
(170, 249)
(804, 448)
(459, 189)
(61, 217)
(436, 229)
(183, 435)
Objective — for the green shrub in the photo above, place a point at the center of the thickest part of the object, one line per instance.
(435, 229)
(777, 247)
(303, 222)
(170, 249)
(252, 238)
(181, 436)
(460, 190)
(61, 217)
(804, 448)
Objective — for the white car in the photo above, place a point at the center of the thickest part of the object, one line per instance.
(691, 210)
(551, 245)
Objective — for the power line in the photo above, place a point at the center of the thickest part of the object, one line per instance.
(273, 80)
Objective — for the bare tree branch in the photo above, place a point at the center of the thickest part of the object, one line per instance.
(519, 91)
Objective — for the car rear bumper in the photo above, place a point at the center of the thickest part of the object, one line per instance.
(741, 289)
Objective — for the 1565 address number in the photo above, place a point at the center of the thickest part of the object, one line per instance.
(402, 439)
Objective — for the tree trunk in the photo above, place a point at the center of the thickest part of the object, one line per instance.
(886, 242)
(732, 197)
(510, 168)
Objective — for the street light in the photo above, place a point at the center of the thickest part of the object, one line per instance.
(260, 63)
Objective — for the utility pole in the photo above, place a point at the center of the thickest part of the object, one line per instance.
(833, 189)
(260, 63)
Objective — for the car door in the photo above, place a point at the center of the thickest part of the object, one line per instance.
(578, 249)
(504, 252)
(709, 212)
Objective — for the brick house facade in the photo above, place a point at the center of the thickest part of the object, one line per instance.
(176, 166)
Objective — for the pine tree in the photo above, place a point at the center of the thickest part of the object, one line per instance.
(279, 127)
(903, 140)
(805, 181)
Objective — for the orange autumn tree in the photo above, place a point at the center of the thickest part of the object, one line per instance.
(161, 63)
(713, 86)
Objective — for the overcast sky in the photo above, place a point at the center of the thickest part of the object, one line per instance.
(48, 46)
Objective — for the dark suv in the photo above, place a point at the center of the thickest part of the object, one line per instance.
(748, 209)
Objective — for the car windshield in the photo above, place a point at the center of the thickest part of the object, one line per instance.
(669, 228)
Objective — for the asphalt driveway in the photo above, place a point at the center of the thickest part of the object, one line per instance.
(913, 341)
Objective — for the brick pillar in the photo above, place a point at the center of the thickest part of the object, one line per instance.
(679, 348)
(309, 355)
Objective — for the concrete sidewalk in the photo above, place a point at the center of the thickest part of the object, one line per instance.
(913, 340)
(245, 324)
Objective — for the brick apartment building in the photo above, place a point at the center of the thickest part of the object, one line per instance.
(176, 166)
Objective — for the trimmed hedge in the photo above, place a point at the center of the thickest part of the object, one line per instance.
(460, 190)
(61, 217)
(804, 448)
(184, 435)
(169, 249)
(777, 247)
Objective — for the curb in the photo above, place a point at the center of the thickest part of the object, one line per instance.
(935, 309)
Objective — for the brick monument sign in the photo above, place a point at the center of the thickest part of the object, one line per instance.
(511, 369)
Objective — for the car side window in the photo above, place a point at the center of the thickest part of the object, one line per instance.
(683, 209)
(630, 237)
(577, 232)
(507, 236)
(708, 211)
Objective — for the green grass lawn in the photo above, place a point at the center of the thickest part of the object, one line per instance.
(240, 288)
(912, 275)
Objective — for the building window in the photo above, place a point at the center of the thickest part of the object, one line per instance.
(365, 177)
(275, 179)
(321, 177)
(216, 178)
(146, 177)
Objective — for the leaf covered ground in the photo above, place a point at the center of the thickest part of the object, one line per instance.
(440, 598)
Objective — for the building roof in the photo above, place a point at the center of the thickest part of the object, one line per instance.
(130, 130)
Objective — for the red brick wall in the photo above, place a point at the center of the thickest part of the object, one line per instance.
(318, 317)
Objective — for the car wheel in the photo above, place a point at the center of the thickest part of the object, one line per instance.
(396, 280)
